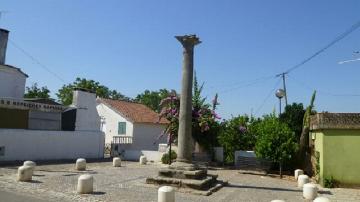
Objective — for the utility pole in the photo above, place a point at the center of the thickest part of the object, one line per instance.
(284, 86)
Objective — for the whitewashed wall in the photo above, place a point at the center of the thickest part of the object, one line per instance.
(87, 117)
(111, 120)
(12, 82)
(50, 145)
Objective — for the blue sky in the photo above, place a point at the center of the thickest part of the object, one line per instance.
(130, 46)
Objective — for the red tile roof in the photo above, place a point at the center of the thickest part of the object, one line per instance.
(135, 112)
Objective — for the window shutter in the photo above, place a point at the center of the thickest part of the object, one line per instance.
(122, 128)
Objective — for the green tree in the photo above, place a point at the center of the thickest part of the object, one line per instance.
(304, 138)
(238, 133)
(276, 141)
(152, 99)
(293, 116)
(65, 93)
(36, 92)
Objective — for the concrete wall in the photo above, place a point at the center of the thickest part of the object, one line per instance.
(39, 120)
(87, 117)
(12, 82)
(111, 120)
(147, 136)
(49, 145)
(339, 154)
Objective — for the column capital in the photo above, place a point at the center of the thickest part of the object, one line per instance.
(188, 41)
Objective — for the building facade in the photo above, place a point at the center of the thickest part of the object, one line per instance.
(131, 127)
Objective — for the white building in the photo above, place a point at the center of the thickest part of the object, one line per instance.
(38, 129)
(132, 128)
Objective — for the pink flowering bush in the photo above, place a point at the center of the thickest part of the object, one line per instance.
(204, 118)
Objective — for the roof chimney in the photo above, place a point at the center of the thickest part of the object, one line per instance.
(3, 44)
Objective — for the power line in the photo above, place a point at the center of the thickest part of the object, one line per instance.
(254, 82)
(302, 84)
(36, 61)
(267, 97)
(337, 39)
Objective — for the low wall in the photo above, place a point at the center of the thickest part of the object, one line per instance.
(134, 155)
(18, 144)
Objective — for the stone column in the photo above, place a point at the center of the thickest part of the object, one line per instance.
(185, 116)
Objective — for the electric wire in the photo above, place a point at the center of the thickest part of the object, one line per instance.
(305, 86)
(36, 61)
(337, 39)
(267, 97)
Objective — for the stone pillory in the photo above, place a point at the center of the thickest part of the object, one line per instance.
(184, 135)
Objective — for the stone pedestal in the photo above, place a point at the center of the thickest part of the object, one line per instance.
(298, 172)
(183, 173)
(310, 191)
(24, 174)
(166, 194)
(85, 184)
(302, 179)
(116, 162)
(80, 164)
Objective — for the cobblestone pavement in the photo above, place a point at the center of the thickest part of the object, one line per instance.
(126, 183)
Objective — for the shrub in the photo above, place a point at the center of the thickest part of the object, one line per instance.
(330, 182)
(238, 133)
(165, 159)
(276, 141)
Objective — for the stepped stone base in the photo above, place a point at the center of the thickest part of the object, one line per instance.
(189, 176)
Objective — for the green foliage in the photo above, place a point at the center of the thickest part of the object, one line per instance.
(65, 94)
(276, 141)
(317, 165)
(238, 133)
(330, 182)
(152, 99)
(35, 92)
(165, 159)
(309, 111)
(204, 124)
(293, 116)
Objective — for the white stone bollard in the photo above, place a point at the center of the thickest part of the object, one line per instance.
(277, 200)
(24, 173)
(80, 164)
(310, 191)
(302, 179)
(298, 172)
(166, 194)
(117, 162)
(142, 160)
(321, 199)
(85, 184)
(30, 164)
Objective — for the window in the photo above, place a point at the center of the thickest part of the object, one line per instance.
(122, 128)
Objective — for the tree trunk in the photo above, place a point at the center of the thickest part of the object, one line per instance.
(280, 169)
(304, 155)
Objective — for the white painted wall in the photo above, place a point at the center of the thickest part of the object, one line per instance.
(49, 145)
(111, 119)
(87, 117)
(12, 82)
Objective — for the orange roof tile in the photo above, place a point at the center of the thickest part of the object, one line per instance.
(135, 112)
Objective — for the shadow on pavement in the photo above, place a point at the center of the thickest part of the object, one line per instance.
(264, 188)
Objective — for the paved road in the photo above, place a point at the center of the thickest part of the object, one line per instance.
(14, 197)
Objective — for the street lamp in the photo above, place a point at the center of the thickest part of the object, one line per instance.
(280, 93)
